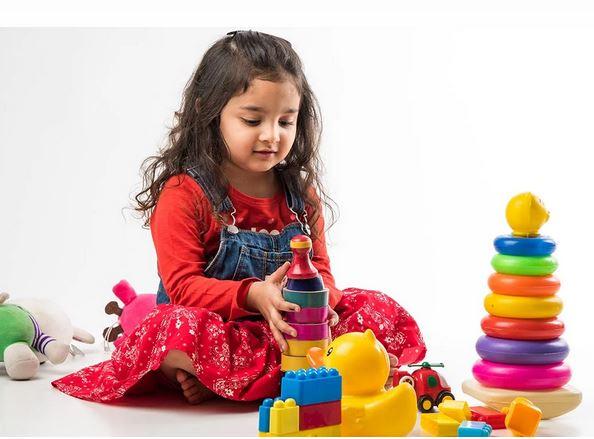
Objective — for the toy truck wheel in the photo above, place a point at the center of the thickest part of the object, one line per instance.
(444, 396)
(425, 404)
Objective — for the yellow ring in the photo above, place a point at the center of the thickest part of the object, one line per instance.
(522, 307)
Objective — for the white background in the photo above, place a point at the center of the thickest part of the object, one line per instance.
(431, 123)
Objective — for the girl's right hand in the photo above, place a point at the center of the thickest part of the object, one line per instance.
(266, 297)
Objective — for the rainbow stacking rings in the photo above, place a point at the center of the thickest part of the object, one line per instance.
(307, 299)
(522, 329)
(518, 246)
(520, 307)
(521, 376)
(307, 315)
(513, 285)
(524, 265)
(499, 350)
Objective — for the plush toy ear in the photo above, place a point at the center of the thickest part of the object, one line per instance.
(110, 334)
(113, 308)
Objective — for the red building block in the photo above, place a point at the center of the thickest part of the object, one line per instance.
(319, 415)
(492, 417)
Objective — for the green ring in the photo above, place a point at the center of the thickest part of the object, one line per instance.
(309, 299)
(524, 265)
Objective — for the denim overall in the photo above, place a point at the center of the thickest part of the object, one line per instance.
(243, 253)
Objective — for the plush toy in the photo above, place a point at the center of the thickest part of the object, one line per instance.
(135, 309)
(33, 331)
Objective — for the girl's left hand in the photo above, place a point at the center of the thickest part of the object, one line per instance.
(332, 317)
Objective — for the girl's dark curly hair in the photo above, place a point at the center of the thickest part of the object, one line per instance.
(227, 69)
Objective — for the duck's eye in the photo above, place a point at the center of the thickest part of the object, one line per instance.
(329, 352)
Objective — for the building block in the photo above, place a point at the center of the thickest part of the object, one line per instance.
(455, 409)
(330, 431)
(319, 415)
(312, 386)
(264, 415)
(284, 417)
(474, 429)
(522, 417)
(494, 418)
(289, 362)
(299, 348)
(438, 424)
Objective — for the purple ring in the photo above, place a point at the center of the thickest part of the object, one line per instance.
(308, 315)
(502, 350)
(310, 331)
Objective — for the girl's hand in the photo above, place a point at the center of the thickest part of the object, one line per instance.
(332, 317)
(266, 297)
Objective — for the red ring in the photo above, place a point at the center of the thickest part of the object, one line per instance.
(514, 285)
(522, 329)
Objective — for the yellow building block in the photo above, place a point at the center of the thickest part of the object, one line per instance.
(299, 348)
(522, 417)
(284, 417)
(293, 363)
(457, 410)
(438, 424)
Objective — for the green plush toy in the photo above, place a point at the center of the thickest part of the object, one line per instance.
(19, 335)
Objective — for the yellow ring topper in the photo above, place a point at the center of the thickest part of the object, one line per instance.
(525, 214)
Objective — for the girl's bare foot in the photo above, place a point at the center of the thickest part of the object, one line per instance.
(194, 391)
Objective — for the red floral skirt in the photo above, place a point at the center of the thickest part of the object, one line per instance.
(237, 360)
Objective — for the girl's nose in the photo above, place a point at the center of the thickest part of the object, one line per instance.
(270, 133)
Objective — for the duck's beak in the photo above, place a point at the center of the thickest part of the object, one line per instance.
(315, 357)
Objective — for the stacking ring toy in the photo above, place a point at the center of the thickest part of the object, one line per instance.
(513, 285)
(524, 265)
(522, 329)
(521, 376)
(308, 315)
(518, 307)
(500, 350)
(310, 299)
(311, 331)
(518, 246)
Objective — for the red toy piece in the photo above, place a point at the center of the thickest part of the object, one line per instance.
(430, 386)
(319, 415)
(301, 266)
(492, 417)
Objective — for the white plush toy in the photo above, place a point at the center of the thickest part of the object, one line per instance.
(33, 331)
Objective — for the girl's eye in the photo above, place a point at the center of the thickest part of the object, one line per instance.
(251, 122)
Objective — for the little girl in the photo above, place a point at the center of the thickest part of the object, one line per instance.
(238, 179)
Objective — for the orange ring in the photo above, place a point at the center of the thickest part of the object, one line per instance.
(515, 285)
(522, 329)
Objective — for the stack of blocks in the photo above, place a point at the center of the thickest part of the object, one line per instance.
(309, 405)
(306, 289)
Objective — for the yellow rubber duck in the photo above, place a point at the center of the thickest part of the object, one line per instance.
(525, 214)
(367, 408)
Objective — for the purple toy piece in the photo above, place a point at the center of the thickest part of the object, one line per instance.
(501, 350)
(308, 315)
(310, 331)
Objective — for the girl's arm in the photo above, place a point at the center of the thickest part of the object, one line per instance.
(179, 224)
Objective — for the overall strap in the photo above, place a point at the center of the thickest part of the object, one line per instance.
(296, 204)
(210, 190)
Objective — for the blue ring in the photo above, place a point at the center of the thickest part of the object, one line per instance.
(518, 246)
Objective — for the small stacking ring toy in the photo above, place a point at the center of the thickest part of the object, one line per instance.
(310, 299)
(518, 307)
(311, 331)
(520, 376)
(308, 315)
(522, 329)
(524, 265)
(500, 350)
(518, 246)
(513, 285)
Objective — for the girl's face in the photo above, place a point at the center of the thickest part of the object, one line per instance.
(259, 126)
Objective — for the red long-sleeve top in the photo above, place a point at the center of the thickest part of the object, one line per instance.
(186, 237)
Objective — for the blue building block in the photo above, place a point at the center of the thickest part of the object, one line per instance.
(312, 386)
(474, 429)
(264, 416)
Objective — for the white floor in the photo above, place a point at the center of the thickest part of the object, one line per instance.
(35, 408)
